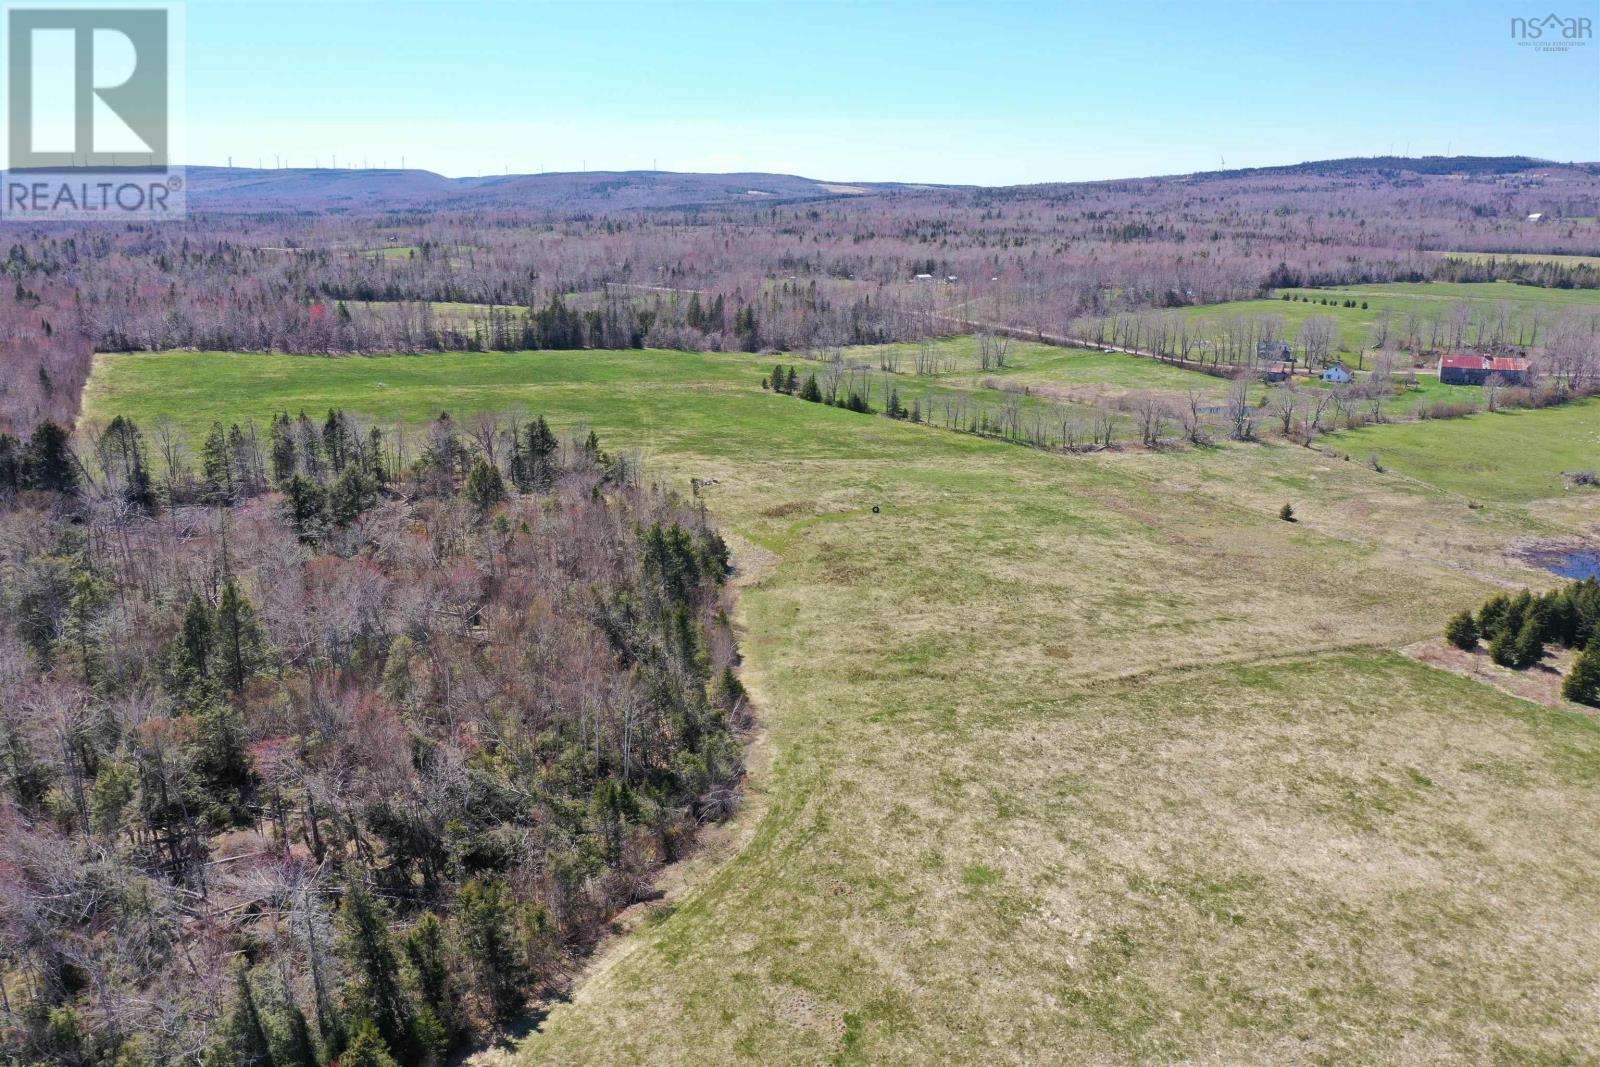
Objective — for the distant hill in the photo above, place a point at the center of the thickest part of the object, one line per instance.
(1362, 166)
(317, 190)
(314, 189)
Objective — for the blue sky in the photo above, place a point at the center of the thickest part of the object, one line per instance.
(990, 93)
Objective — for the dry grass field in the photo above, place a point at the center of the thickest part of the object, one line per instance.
(1073, 759)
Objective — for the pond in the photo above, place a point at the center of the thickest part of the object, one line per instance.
(1574, 563)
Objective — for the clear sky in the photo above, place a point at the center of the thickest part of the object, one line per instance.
(980, 92)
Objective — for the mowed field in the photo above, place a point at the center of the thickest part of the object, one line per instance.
(1073, 759)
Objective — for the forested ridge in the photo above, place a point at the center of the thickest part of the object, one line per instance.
(336, 742)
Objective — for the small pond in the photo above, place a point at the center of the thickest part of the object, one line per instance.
(1574, 563)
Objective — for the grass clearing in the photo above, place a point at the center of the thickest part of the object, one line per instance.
(1086, 758)
(1490, 456)
(1554, 258)
(1425, 299)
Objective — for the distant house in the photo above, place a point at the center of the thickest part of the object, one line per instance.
(1537, 216)
(924, 278)
(1274, 352)
(1338, 374)
(1475, 370)
(1278, 372)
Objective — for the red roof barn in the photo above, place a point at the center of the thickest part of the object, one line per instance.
(1475, 370)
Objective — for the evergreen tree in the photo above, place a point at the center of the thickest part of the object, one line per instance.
(337, 440)
(1492, 615)
(223, 764)
(747, 328)
(367, 1049)
(350, 496)
(11, 467)
(295, 1047)
(216, 466)
(305, 502)
(428, 956)
(372, 461)
(1582, 684)
(243, 1041)
(308, 447)
(539, 456)
(810, 390)
(615, 806)
(250, 477)
(88, 597)
(373, 991)
(240, 641)
(443, 459)
(488, 939)
(192, 653)
(1529, 647)
(284, 460)
(778, 379)
(727, 692)
(1462, 632)
(47, 462)
(1517, 612)
(485, 488)
(1503, 648)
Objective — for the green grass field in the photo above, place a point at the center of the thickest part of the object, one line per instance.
(1470, 456)
(392, 252)
(1399, 298)
(1080, 377)
(1525, 257)
(1071, 759)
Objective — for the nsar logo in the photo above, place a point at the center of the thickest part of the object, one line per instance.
(1552, 33)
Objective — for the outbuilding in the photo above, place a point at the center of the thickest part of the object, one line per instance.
(1475, 370)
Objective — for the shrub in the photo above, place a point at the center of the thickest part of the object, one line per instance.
(1446, 409)
(1286, 513)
